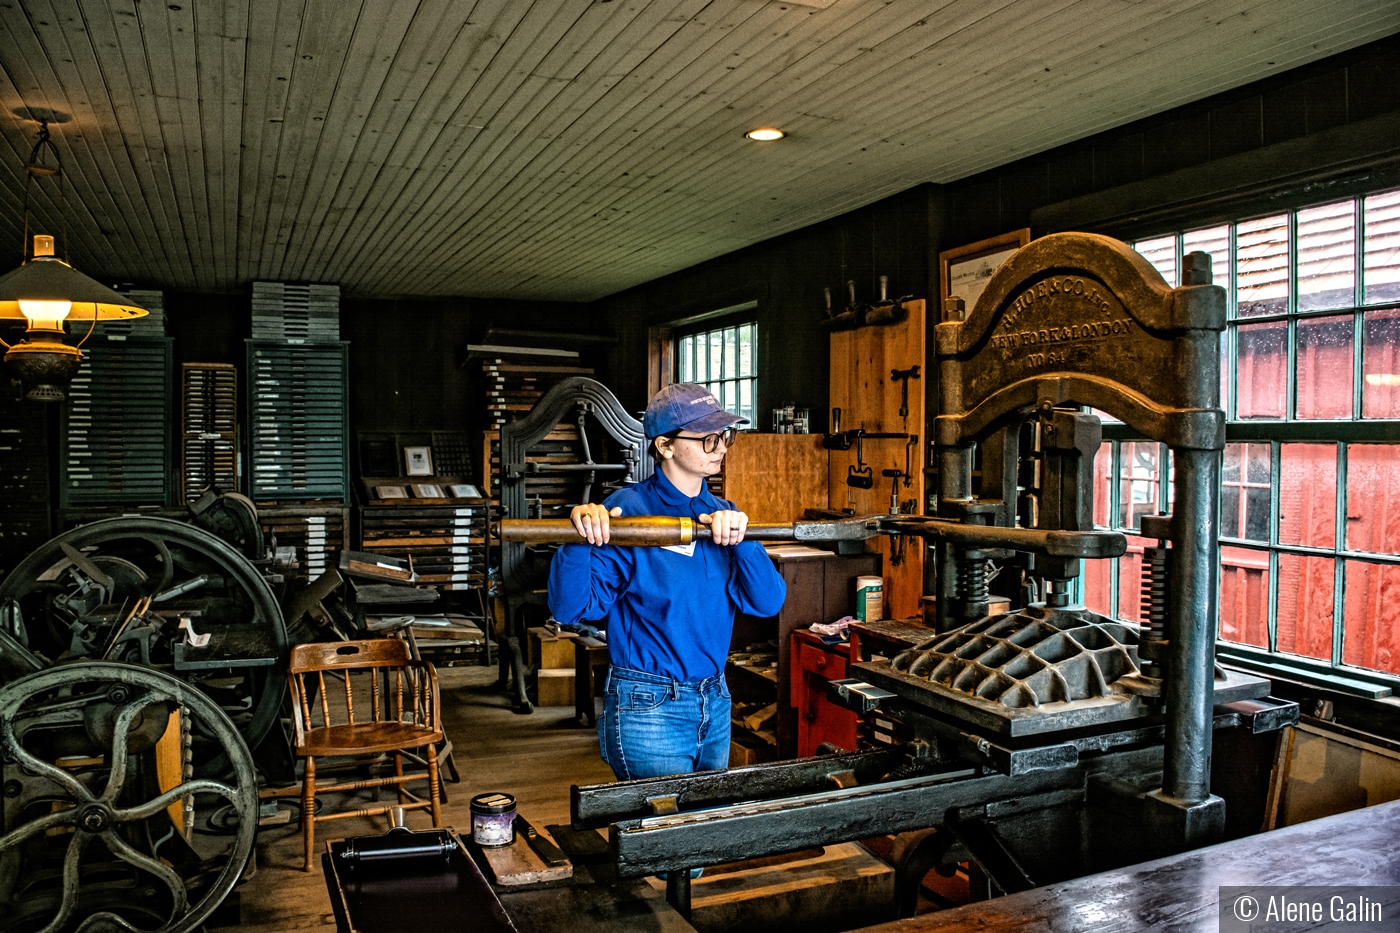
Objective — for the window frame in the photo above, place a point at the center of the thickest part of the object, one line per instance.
(1276, 432)
(722, 322)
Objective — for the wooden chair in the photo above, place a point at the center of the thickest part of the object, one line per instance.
(405, 715)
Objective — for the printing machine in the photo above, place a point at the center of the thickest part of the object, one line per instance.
(1047, 736)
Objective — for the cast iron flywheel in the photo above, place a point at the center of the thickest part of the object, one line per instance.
(155, 592)
(105, 826)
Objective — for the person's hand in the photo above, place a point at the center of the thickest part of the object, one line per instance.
(726, 527)
(591, 521)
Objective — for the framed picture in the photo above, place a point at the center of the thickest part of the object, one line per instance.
(391, 492)
(427, 491)
(418, 461)
(966, 270)
(460, 491)
(377, 457)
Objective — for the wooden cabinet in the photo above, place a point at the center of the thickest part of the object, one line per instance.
(775, 477)
(820, 588)
(818, 719)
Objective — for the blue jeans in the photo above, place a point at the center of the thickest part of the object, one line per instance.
(653, 726)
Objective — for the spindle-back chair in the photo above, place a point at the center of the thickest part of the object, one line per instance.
(403, 713)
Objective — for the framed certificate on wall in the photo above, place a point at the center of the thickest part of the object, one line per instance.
(418, 461)
(966, 270)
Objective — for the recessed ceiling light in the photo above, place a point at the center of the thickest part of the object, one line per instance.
(764, 134)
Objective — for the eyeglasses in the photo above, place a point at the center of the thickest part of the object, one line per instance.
(710, 442)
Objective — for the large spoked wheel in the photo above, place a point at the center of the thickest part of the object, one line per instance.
(105, 828)
(145, 589)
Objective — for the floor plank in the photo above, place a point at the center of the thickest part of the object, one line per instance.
(535, 757)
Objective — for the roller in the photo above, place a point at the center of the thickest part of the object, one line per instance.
(667, 530)
(398, 849)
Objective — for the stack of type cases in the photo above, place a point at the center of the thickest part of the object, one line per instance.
(150, 324)
(549, 495)
(296, 313)
(24, 480)
(445, 543)
(316, 535)
(298, 435)
(514, 386)
(115, 447)
(208, 430)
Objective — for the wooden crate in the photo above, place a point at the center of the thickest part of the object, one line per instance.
(548, 650)
(745, 749)
(554, 687)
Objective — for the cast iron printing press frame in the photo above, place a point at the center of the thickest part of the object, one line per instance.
(1043, 733)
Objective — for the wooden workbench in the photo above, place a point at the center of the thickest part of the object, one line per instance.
(1181, 893)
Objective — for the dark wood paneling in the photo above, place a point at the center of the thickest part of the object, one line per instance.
(1236, 126)
(1118, 161)
(1071, 174)
(786, 276)
(1175, 145)
(1339, 162)
(208, 328)
(1185, 145)
(406, 357)
(1326, 100)
(403, 374)
(1285, 113)
(1371, 85)
(1022, 190)
(974, 209)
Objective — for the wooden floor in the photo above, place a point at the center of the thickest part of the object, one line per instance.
(535, 757)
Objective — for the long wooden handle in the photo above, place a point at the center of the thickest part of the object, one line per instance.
(640, 531)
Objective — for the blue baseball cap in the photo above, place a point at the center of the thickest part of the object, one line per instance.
(689, 406)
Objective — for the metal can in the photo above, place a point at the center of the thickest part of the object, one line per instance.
(870, 599)
(493, 819)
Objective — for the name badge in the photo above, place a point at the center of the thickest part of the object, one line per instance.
(687, 550)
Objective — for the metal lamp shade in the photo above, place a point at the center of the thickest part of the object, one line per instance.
(43, 363)
(47, 278)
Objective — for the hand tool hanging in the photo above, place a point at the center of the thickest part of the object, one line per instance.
(903, 376)
(860, 475)
(849, 317)
(887, 310)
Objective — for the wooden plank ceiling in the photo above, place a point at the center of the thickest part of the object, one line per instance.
(568, 149)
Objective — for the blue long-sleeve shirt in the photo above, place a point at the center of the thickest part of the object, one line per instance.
(666, 612)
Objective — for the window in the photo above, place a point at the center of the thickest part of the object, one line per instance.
(1310, 492)
(724, 360)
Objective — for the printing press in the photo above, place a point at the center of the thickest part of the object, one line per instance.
(1045, 737)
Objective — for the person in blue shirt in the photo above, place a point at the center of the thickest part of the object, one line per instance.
(669, 611)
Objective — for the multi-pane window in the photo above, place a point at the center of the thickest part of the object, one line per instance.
(1310, 491)
(725, 361)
